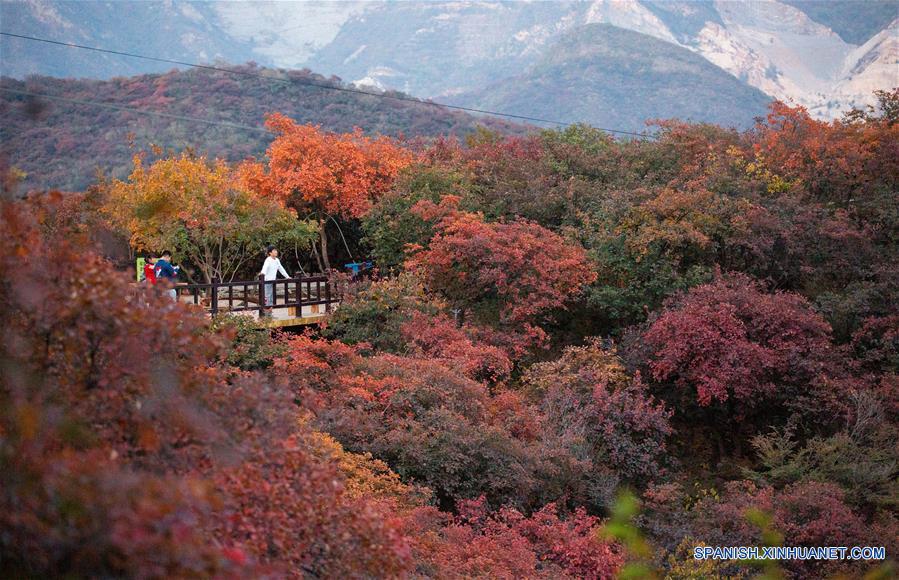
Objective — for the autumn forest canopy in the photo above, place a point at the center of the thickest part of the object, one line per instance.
(576, 357)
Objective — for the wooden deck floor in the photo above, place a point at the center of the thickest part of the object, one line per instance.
(284, 317)
(289, 322)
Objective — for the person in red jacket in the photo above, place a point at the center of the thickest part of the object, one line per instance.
(150, 271)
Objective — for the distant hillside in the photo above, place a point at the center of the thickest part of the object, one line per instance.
(854, 21)
(173, 30)
(612, 77)
(61, 145)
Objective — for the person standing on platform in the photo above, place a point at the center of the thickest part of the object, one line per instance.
(149, 274)
(164, 270)
(270, 269)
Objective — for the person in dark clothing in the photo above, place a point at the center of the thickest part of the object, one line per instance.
(164, 270)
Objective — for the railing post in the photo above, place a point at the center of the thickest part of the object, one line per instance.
(261, 295)
(214, 296)
(328, 296)
(299, 297)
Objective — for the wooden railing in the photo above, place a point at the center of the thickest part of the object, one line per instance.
(243, 296)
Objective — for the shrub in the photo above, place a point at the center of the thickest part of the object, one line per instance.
(375, 315)
(806, 514)
(507, 544)
(862, 459)
(253, 346)
(587, 396)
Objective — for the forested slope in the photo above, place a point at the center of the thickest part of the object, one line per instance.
(62, 144)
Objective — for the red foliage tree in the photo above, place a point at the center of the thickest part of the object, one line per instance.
(514, 273)
(428, 422)
(834, 161)
(876, 343)
(84, 407)
(434, 426)
(290, 511)
(507, 544)
(807, 514)
(510, 177)
(440, 338)
(731, 340)
(86, 514)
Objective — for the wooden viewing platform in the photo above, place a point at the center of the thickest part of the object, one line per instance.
(298, 301)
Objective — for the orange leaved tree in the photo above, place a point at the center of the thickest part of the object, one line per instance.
(324, 175)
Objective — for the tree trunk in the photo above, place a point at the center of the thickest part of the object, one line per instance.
(296, 254)
(324, 241)
(318, 256)
(722, 453)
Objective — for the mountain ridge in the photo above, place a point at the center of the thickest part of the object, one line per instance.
(619, 67)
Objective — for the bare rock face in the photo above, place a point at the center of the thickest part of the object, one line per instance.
(872, 66)
(786, 54)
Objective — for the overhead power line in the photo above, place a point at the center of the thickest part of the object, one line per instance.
(133, 110)
(311, 83)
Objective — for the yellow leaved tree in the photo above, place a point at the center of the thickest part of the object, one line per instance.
(201, 211)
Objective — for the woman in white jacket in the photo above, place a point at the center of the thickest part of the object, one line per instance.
(270, 269)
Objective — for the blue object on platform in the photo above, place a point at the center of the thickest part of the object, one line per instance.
(357, 267)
